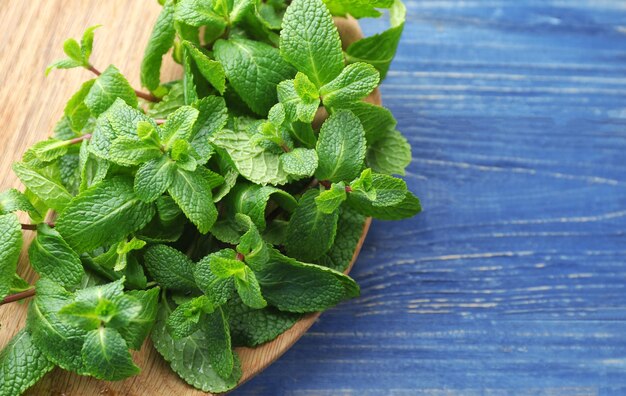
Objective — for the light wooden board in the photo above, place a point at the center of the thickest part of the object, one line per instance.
(33, 34)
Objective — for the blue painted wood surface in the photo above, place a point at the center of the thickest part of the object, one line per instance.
(512, 281)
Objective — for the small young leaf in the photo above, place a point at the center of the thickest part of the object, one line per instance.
(409, 207)
(328, 201)
(72, 49)
(249, 290)
(355, 82)
(179, 125)
(86, 43)
(217, 289)
(186, 319)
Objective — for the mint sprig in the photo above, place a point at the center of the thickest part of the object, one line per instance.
(214, 210)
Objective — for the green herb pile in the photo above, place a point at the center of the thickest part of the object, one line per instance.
(212, 211)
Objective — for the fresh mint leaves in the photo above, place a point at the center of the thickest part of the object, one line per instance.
(216, 210)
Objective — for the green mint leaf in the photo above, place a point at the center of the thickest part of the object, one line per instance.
(63, 64)
(199, 13)
(10, 247)
(172, 100)
(252, 327)
(256, 164)
(138, 328)
(189, 357)
(328, 201)
(249, 289)
(48, 150)
(179, 125)
(238, 9)
(251, 244)
(60, 341)
(391, 154)
(311, 232)
(253, 69)
(12, 200)
(252, 200)
(119, 120)
(190, 94)
(53, 258)
(22, 364)
(86, 43)
(349, 233)
(224, 267)
(186, 319)
(217, 333)
(211, 70)
(389, 191)
(300, 162)
(281, 279)
(341, 147)
(72, 49)
(109, 86)
(127, 151)
(161, 40)
(50, 191)
(154, 177)
(212, 118)
(357, 8)
(217, 289)
(192, 192)
(93, 169)
(310, 41)
(409, 207)
(106, 355)
(355, 82)
(170, 268)
(76, 110)
(365, 185)
(379, 49)
(103, 214)
(376, 120)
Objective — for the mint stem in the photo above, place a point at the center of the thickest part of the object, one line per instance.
(18, 296)
(147, 96)
(79, 139)
(33, 227)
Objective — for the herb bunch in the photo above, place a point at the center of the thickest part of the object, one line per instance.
(211, 211)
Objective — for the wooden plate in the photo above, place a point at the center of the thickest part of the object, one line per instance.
(25, 121)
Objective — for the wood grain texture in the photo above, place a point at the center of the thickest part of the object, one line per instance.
(26, 91)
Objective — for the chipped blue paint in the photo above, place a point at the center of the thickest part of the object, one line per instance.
(513, 280)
